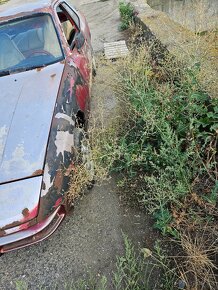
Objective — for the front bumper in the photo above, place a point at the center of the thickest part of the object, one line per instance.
(34, 234)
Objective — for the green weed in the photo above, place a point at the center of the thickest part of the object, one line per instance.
(126, 14)
(168, 136)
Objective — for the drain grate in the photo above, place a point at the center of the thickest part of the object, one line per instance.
(115, 49)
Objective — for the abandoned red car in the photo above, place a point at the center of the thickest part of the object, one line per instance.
(45, 76)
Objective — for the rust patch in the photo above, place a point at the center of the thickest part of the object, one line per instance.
(70, 169)
(43, 185)
(2, 233)
(11, 225)
(25, 212)
(38, 172)
(58, 179)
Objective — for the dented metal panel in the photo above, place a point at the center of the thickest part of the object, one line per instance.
(27, 104)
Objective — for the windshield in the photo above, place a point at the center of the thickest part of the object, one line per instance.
(28, 43)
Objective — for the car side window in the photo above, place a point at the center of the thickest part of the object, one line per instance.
(68, 25)
(72, 13)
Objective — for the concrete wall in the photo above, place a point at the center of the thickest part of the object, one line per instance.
(160, 30)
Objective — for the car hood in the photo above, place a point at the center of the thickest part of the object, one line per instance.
(27, 101)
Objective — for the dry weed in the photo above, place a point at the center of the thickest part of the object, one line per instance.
(101, 132)
(197, 265)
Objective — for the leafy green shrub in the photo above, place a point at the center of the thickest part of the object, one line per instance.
(126, 14)
(166, 146)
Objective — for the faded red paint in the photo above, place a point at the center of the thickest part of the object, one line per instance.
(35, 233)
(58, 202)
(29, 214)
(81, 91)
(81, 62)
(24, 222)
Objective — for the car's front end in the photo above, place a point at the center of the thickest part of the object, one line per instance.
(32, 63)
(30, 195)
(20, 220)
(45, 87)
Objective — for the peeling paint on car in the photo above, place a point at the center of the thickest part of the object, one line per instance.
(28, 113)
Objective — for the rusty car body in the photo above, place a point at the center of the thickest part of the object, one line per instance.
(45, 75)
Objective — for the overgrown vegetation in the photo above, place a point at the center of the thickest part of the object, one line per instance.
(126, 14)
(163, 144)
(3, 1)
(167, 145)
(166, 150)
(82, 174)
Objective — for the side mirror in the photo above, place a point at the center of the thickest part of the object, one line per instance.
(79, 40)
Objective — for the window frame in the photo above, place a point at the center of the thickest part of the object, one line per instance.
(60, 5)
(68, 7)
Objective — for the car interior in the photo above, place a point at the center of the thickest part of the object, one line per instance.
(10, 55)
(23, 40)
(67, 24)
(30, 41)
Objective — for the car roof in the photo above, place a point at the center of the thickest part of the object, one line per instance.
(13, 7)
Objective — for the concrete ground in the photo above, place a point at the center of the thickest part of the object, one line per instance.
(103, 18)
(87, 243)
(89, 240)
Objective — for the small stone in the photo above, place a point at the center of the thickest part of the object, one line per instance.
(181, 284)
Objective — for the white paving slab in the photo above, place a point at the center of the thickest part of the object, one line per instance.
(115, 49)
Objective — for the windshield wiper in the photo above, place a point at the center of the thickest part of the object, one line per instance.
(38, 66)
(11, 71)
(4, 73)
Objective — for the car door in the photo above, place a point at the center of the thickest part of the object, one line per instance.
(77, 38)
